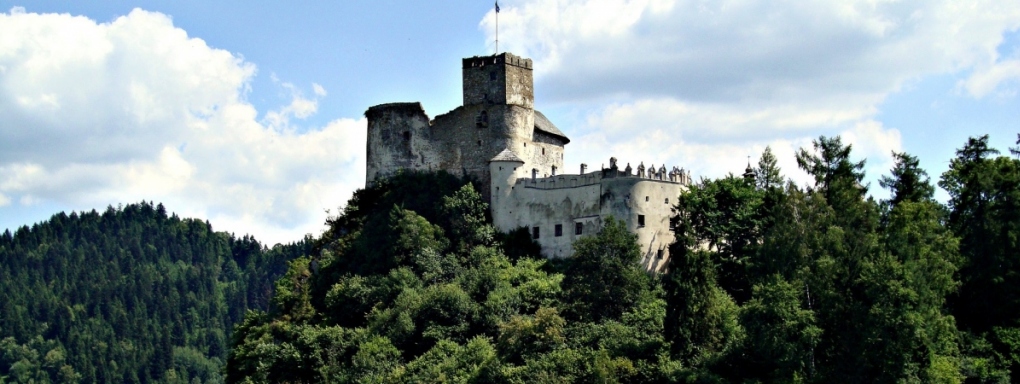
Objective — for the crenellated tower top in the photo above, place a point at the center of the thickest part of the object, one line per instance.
(498, 79)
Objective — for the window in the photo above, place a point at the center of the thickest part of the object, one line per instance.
(559, 230)
(659, 254)
(578, 228)
(646, 199)
(407, 136)
(667, 200)
(534, 232)
(479, 143)
(482, 120)
(543, 151)
(640, 221)
(492, 75)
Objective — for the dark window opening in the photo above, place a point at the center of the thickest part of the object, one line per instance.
(667, 200)
(673, 223)
(407, 136)
(534, 232)
(646, 198)
(480, 144)
(640, 221)
(543, 151)
(492, 75)
(659, 254)
(578, 228)
(483, 118)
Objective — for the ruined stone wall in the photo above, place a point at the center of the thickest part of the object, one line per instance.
(399, 137)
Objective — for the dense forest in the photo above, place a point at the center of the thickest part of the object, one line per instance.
(767, 282)
(129, 295)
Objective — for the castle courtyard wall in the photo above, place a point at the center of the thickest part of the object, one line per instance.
(588, 199)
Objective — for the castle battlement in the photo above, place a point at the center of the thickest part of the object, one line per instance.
(505, 57)
(676, 175)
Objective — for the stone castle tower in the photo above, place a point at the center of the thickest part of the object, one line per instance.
(516, 154)
(498, 113)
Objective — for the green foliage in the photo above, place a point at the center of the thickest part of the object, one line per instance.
(985, 213)
(727, 216)
(132, 294)
(908, 182)
(602, 280)
(781, 334)
(838, 178)
(768, 175)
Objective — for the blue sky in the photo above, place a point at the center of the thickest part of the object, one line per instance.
(249, 114)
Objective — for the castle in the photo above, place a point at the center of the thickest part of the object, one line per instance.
(499, 138)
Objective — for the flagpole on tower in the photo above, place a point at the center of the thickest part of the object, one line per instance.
(497, 28)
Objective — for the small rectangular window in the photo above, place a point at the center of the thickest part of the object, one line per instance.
(640, 221)
(646, 198)
(559, 230)
(667, 200)
(534, 232)
(659, 254)
(578, 228)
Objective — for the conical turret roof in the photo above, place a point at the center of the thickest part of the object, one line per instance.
(507, 155)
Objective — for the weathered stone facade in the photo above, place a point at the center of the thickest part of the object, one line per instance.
(498, 113)
(498, 138)
(560, 209)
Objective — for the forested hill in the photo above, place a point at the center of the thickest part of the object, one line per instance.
(768, 282)
(128, 295)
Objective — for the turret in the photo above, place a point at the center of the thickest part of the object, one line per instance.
(503, 173)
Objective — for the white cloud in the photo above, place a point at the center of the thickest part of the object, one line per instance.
(98, 114)
(996, 77)
(704, 84)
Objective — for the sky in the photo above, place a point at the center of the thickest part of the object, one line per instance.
(249, 114)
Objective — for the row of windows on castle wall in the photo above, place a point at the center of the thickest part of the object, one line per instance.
(536, 231)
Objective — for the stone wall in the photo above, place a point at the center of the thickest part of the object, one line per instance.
(498, 79)
(498, 113)
(643, 204)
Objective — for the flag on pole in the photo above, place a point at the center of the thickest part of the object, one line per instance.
(497, 7)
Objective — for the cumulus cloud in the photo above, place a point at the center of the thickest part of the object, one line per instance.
(98, 114)
(707, 83)
(1002, 77)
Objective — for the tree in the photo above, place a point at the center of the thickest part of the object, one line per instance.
(832, 169)
(699, 315)
(603, 279)
(1016, 150)
(781, 334)
(908, 332)
(984, 202)
(768, 174)
(908, 181)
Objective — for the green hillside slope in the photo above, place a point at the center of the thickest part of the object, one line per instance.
(127, 295)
